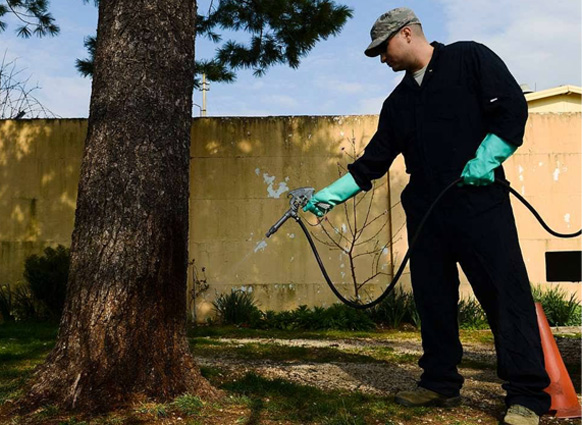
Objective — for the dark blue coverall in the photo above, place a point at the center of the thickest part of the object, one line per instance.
(467, 92)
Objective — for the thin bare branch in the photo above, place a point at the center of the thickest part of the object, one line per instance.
(374, 235)
(16, 97)
(372, 277)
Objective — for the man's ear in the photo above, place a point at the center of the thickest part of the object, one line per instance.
(407, 33)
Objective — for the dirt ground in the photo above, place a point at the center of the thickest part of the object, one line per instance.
(375, 366)
(481, 391)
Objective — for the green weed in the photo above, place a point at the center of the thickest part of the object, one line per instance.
(560, 310)
(188, 404)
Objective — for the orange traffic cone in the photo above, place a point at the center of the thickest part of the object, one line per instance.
(564, 400)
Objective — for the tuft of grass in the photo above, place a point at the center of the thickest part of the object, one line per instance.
(154, 409)
(48, 411)
(188, 404)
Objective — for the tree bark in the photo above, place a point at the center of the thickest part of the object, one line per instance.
(122, 336)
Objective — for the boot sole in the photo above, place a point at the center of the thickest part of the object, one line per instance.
(442, 402)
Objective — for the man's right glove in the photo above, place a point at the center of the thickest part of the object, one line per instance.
(491, 153)
(339, 191)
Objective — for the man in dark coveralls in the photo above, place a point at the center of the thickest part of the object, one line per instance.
(458, 112)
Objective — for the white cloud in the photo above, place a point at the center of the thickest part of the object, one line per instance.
(539, 40)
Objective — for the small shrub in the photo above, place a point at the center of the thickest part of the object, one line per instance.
(342, 317)
(336, 317)
(236, 308)
(471, 315)
(6, 305)
(47, 275)
(396, 309)
(560, 310)
(20, 304)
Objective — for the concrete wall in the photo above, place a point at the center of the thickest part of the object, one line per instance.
(563, 103)
(241, 171)
(39, 172)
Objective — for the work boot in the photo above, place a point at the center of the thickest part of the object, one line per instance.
(520, 415)
(424, 397)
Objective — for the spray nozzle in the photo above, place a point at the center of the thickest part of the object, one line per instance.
(299, 198)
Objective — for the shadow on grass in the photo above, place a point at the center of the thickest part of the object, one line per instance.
(279, 399)
(277, 353)
(23, 346)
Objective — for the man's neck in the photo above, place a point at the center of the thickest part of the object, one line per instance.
(423, 57)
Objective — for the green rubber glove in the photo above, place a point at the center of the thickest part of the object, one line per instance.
(491, 153)
(339, 191)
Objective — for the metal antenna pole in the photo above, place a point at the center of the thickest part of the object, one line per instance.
(204, 90)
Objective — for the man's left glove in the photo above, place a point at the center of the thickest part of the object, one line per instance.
(339, 191)
(491, 153)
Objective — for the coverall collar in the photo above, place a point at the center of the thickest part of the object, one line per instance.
(432, 64)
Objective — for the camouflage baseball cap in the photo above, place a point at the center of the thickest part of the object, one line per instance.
(386, 25)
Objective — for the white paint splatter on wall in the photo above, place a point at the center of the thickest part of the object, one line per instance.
(560, 168)
(274, 193)
(567, 219)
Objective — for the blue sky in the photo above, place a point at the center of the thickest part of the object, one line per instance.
(540, 41)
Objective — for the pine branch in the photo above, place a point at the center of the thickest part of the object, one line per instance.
(33, 14)
(282, 32)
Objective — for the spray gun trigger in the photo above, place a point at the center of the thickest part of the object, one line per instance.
(323, 206)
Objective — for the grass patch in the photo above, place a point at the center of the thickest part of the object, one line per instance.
(282, 400)
(577, 336)
(23, 346)
(252, 399)
(241, 332)
(278, 353)
(210, 372)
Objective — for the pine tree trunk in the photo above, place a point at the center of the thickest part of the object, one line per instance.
(122, 336)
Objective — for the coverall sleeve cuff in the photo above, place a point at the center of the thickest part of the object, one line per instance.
(360, 180)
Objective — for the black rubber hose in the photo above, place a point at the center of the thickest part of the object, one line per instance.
(400, 270)
(536, 214)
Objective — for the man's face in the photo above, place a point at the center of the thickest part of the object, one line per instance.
(396, 53)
